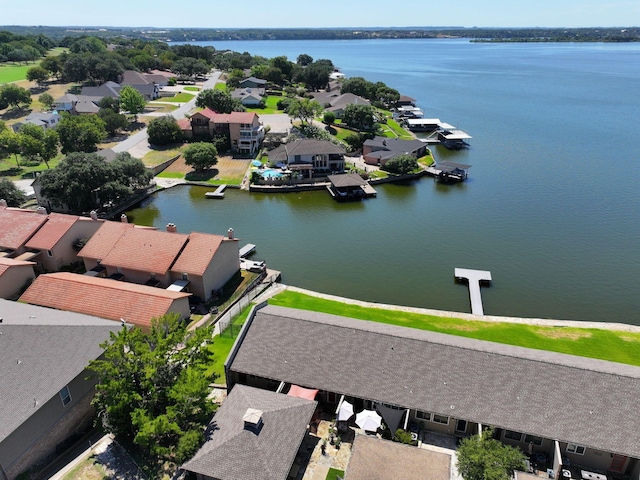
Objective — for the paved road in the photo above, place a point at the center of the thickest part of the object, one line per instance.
(180, 112)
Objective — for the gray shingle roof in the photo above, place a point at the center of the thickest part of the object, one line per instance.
(41, 351)
(563, 397)
(235, 453)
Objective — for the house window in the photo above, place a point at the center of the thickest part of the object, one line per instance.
(461, 426)
(65, 396)
(423, 415)
(50, 253)
(185, 276)
(533, 439)
(296, 158)
(511, 435)
(440, 419)
(577, 449)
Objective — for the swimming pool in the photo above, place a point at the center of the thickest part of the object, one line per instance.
(271, 174)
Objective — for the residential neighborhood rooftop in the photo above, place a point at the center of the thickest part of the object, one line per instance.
(564, 397)
(234, 451)
(18, 226)
(41, 351)
(53, 230)
(198, 252)
(101, 297)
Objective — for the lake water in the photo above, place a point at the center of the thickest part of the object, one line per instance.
(551, 207)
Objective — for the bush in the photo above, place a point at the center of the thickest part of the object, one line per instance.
(401, 165)
(329, 118)
(403, 436)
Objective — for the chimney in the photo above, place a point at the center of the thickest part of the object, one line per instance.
(171, 228)
(123, 218)
(253, 419)
(3, 203)
(230, 233)
(93, 214)
(41, 210)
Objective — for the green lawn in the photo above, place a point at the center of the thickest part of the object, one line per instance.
(614, 346)
(181, 97)
(14, 73)
(156, 157)
(220, 86)
(223, 343)
(9, 169)
(334, 473)
(192, 89)
(170, 175)
(271, 106)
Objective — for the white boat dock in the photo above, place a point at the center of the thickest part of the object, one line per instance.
(474, 277)
(219, 193)
(248, 249)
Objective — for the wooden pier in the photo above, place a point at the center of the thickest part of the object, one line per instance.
(219, 193)
(474, 277)
(248, 249)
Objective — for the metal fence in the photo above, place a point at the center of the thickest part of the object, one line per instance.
(226, 321)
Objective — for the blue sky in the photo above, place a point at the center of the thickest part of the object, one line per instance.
(323, 13)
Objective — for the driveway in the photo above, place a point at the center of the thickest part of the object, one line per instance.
(131, 144)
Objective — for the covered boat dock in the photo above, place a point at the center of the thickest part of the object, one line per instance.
(349, 186)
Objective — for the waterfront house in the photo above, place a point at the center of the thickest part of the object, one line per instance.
(148, 90)
(243, 129)
(309, 156)
(14, 276)
(564, 410)
(264, 429)
(59, 238)
(46, 389)
(105, 298)
(253, 82)
(379, 150)
(200, 263)
(335, 102)
(18, 227)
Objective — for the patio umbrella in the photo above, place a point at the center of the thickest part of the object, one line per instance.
(345, 412)
(368, 420)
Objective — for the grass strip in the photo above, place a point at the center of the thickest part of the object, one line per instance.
(611, 345)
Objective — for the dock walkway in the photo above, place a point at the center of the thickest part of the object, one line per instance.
(219, 193)
(474, 277)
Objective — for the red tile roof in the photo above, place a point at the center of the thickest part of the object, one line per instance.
(198, 253)
(52, 231)
(150, 251)
(17, 226)
(184, 124)
(207, 112)
(7, 263)
(101, 242)
(101, 297)
(233, 117)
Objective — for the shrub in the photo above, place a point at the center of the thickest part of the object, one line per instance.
(401, 165)
(403, 436)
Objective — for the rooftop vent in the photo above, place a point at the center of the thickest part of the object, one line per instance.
(3, 202)
(41, 210)
(230, 233)
(253, 419)
(171, 228)
(123, 218)
(93, 214)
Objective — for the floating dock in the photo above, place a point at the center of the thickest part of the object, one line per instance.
(219, 193)
(248, 249)
(474, 277)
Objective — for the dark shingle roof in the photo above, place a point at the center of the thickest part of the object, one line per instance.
(235, 453)
(41, 351)
(563, 397)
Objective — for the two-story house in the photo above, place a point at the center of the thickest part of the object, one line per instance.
(308, 155)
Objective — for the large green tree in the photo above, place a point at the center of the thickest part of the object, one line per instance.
(485, 458)
(132, 101)
(402, 164)
(38, 74)
(164, 131)
(304, 108)
(9, 144)
(359, 116)
(218, 101)
(112, 121)
(84, 181)
(201, 155)
(12, 194)
(153, 387)
(81, 133)
(13, 96)
(37, 144)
